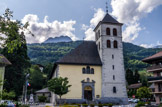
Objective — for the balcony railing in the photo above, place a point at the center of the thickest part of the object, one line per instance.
(155, 68)
(155, 78)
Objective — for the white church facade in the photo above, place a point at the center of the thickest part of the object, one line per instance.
(95, 69)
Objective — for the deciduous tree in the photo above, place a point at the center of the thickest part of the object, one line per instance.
(59, 86)
(15, 49)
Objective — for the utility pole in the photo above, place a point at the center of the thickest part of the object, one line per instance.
(26, 87)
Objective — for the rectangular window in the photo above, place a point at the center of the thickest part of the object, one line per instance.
(113, 67)
(112, 56)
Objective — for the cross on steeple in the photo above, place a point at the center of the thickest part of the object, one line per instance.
(106, 7)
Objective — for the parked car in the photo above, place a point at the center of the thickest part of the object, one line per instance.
(133, 100)
(8, 103)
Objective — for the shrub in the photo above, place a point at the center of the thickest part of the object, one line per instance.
(3, 105)
(91, 105)
(139, 104)
(42, 98)
(85, 105)
(100, 105)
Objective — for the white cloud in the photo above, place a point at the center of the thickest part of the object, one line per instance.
(151, 45)
(147, 46)
(130, 12)
(45, 29)
(98, 16)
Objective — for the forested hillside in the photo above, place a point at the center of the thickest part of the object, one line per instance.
(51, 52)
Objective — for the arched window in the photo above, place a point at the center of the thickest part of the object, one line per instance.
(83, 70)
(88, 70)
(92, 71)
(114, 89)
(108, 44)
(115, 44)
(114, 32)
(108, 31)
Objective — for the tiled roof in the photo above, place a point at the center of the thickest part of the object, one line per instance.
(85, 54)
(4, 60)
(153, 57)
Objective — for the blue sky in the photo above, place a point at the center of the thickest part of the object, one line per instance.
(142, 20)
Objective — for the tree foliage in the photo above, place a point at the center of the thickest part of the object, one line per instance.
(132, 77)
(59, 86)
(12, 31)
(144, 92)
(15, 50)
(8, 95)
(36, 78)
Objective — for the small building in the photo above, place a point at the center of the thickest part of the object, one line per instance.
(43, 92)
(3, 62)
(156, 68)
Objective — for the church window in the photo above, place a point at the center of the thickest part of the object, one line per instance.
(115, 44)
(83, 70)
(113, 77)
(108, 44)
(112, 56)
(114, 32)
(108, 31)
(113, 67)
(114, 89)
(92, 71)
(88, 70)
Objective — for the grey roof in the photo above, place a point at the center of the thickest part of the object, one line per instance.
(4, 60)
(85, 54)
(45, 90)
(109, 19)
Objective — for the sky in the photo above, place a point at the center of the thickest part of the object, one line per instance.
(142, 19)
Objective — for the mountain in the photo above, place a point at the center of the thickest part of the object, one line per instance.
(159, 46)
(58, 39)
(51, 52)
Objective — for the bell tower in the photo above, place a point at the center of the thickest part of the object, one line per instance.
(108, 36)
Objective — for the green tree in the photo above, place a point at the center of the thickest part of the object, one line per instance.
(129, 76)
(59, 86)
(136, 76)
(15, 49)
(144, 92)
(13, 31)
(36, 78)
(8, 95)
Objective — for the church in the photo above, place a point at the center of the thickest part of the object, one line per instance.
(95, 69)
